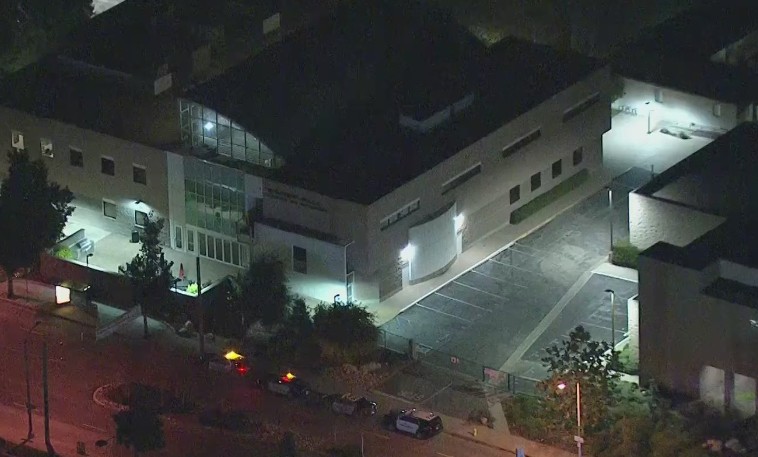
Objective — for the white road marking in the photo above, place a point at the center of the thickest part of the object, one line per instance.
(444, 455)
(499, 280)
(443, 313)
(379, 435)
(92, 427)
(480, 290)
(464, 302)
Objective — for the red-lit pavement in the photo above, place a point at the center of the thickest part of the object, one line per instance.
(77, 368)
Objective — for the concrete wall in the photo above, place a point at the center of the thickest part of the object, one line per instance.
(325, 272)
(435, 246)
(484, 199)
(677, 108)
(652, 220)
(683, 331)
(88, 184)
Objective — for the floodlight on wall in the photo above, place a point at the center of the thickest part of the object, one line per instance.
(208, 125)
(458, 221)
(407, 253)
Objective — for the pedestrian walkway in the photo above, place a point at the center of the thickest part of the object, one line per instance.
(486, 248)
(64, 437)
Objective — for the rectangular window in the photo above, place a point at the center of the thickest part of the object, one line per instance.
(190, 240)
(400, 214)
(658, 94)
(140, 218)
(299, 260)
(557, 168)
(717, 109)
(17, 139)
(461, 178)
(349, 285)
(211, 247)
(201, 243)
(581, 107)
(178, 237)
(219, 249)
(536, 181)
(515, 194)
(107, 166)
(577, 156)
(109, 209)
(46, 147)
(521, 143)
(139, 174)
(75, 158)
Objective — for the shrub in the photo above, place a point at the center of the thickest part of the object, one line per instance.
(628, 363)
(549, 197)
(346, 333)
(625, 254)
(64, 252)
(192, 289)
(523, 415)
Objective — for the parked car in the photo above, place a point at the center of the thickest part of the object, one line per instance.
(351, 405)
(421, 424)
(288, 385)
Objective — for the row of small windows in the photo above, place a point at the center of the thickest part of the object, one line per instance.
(216, 248)
(76, 158)
(110, 210)
(556, 170)
(461, 178)
(581, 107)
(400, 214)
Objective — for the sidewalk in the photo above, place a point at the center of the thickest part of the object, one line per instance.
(14, 427)
(487, 247)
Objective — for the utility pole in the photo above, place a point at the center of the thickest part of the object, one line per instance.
(200, 309)
(50, 450)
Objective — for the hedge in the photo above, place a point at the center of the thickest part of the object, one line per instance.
(549, 197)
(625, 254)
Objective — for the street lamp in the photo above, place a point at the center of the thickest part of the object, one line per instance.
(649, 115)
(89, 277)
(30, 433)
(578, 438)
(610, 216)
(613, 317)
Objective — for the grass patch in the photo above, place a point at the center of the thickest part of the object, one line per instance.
(549, 197)
(629, 364)
(625, 254)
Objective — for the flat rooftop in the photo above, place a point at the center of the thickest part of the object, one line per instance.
(329, 98)
(718, 179)
(677, 53)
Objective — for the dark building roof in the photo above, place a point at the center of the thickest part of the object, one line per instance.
(329, 99)
(718, 179)
(677, 53)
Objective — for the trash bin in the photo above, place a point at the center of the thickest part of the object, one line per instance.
(135, 236)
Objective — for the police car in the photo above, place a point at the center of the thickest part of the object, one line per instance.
(288, 385)
(421, 424)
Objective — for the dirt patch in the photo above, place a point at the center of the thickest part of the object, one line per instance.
(161, 400)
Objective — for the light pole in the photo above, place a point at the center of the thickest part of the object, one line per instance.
(649, 121)
(89, 277)
(578, 438)
(610, 216)
(30, 433)
(613, 317)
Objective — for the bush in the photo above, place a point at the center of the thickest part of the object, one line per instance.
(192, 289)
(628, 364)
(625, 254)
(481, 417)
(345, 333)
(523, 415)
(549, 197)
(64, 252)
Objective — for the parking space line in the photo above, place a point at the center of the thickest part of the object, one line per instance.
(464, 302)
(379, 435)
(595, 325)
(443, 313)
(515, 267)
(499, 280)
(480, 290)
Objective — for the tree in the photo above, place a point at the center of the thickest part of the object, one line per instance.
(295, 341)
(263, 291)
(33, 213)
(591, 364)
(150, 273)
(140, 429)
(31, 28)
(345, 332)
(287, 446)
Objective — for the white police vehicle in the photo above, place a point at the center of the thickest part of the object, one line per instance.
(421, 424)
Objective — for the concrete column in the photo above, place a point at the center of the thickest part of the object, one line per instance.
(633, 324)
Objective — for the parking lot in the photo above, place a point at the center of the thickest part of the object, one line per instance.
(483, 315)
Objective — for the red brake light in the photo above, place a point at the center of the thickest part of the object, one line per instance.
(242, 369)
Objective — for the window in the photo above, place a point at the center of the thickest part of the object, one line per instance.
(521, 142)
(201, 243)
(461, 178)
(139, 174)
(140, 218)
(515, 194)
(178, 237)
(109, 209)
(349, 286)
(46, 147)
(581, 107)
(658, 94)
(717, 109)
(400, 214)
(299, 260)
(107, 166)
(75, 158)
(190, 241)
(557, 168)
(17, 139)
(577, 156)
(536, 181)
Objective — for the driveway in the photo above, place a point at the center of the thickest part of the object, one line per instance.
(481, 317)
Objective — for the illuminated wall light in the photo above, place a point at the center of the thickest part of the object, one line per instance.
(62, 295)
(458, 221)
(407, 253)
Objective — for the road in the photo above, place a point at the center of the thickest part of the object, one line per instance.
(77, 368)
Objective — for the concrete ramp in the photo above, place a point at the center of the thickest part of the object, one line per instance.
(117, 323)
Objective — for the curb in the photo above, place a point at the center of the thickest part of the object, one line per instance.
(463, 436)
(39, 309)
(99, 398)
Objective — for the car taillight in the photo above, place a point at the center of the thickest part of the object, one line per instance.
(241, 369)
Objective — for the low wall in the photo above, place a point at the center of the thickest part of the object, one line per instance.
(34, 290)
